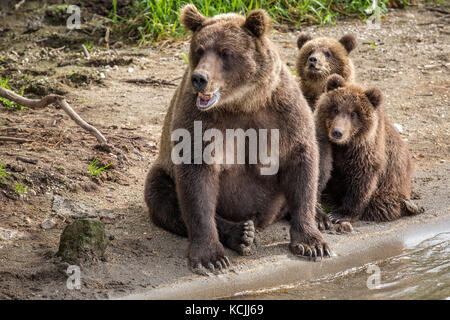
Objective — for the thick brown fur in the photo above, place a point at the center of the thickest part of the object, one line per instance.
(371, 165)
(321, 57)
(218, 204)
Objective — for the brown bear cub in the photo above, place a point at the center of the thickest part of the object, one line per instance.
(235, 80)
(371, 168)
(319, 58)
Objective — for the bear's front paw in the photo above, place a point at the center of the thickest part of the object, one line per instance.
(206, 258)
(312, 246)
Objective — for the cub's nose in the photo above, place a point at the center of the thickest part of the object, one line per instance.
(313, 60)
(337, 133)
(199, 81)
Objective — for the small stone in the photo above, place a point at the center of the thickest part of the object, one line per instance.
(102, 75)
(130, 70)
(48, 224)
(83, 239)
(6, 234)
(344, 227)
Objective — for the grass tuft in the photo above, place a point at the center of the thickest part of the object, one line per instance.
(153, 20)
(94, 169)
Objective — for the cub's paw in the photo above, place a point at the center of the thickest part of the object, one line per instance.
(412, 208)
(312, 246)
(207, 258)
(322, 219)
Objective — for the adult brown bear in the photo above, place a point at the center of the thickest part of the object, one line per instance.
(235, 80)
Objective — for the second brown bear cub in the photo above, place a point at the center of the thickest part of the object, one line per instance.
(371, 168)
(321, 57)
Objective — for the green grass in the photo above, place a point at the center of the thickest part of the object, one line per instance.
(6, 102)
(94, 169)
(88, 45)
(3, 173)
(153, 20)
(20, 188)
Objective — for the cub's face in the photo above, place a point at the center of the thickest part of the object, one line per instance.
(225, 59)
(318, 58)
(346, 112)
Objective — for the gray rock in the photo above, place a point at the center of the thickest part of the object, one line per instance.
(48, 224)
(83, 239)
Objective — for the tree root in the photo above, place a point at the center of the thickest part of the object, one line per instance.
(50, 99)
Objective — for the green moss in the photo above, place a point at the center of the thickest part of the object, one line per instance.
(82, 239)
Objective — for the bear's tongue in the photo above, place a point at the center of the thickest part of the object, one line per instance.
(204, 98)
(204, 101)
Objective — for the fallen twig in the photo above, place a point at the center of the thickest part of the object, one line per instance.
(13, 139)
(86, 52)
(18, 5)
(151, 81)
(60, 101)
(32, 161)
(439, 10)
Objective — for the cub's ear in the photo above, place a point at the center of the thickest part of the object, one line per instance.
(302, 39)
(191, 18)
(349, 42)
(335, 81)
(258, 22)
(375, 96)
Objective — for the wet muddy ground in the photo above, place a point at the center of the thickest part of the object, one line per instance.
(407, 58)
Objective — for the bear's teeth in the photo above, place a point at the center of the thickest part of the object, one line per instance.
(205, 96)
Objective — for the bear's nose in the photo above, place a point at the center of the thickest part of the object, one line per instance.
(199, 81)
(337, 133)
(312, 59)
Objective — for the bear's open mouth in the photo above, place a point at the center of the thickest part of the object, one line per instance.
(206, 101)
(313, 68)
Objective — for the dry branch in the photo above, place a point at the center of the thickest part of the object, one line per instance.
(152, 81)
(86, 52)
(18, 5)
(60, 101)
(13, 139)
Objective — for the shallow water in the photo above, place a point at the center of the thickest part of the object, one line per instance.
(422, 271)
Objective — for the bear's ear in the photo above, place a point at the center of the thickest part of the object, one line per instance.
(258, 22)
(375, 96)
(349, 42)
(302, 39)
(335, 81)
(191, 18)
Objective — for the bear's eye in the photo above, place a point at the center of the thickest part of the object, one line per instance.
(353, 115)
(335, 110)
(224, 54)
(327, 54)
